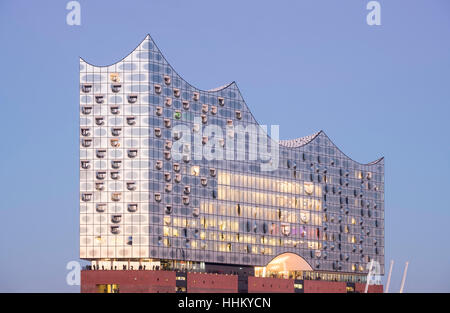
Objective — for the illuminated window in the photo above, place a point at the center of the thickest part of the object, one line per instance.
(114, 77)
(309, 188)
(108, 288)
(195, 170)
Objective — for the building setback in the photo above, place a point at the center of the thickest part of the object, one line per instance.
(181, 190)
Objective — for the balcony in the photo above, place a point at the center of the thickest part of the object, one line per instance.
(100, 186)
(221, 101)
(115, 131)
(115, 109)
(167, 80)
(85, 131)
(167, 123)
(132, 98)
(159, 111)
(99, 99)
(86, 196)
(86, 110)
(157, 196)
(132, 153)
(168, 188)
(131, 120)
(86, 143)
(86, 88)
(177, 178)
(213, 110)
(116, 218)
(195, 212)
(212, 172)
(115, 230)
(167, 176)
(185, 105)
(131, 186)
(168, 102)
(85, 165)
(115, 175)
(101, 153)
(116, 87)
(176, 167)
(168, 209)
(158, 165)
(158, 132)
(101, 207)
(132, 207)
(101, 175)
(99, 121)
(176, 92)
(167, 155)
(205, 108)
(196, 96)
(116, 196)
(115, 143)
(158, 89)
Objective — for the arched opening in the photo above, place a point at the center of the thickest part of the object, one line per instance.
(284, 265)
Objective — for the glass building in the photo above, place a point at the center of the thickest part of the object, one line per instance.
(175, 176)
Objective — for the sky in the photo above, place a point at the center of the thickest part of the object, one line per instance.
(306, 65)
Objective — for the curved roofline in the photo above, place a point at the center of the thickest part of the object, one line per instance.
(370, 163)
(223, 87)
(292, 252)
(314, 138)
(212, 90)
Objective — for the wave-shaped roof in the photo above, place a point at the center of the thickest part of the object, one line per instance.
(298, 142)
(148, 44)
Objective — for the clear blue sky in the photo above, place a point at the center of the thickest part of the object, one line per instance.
(305, 65)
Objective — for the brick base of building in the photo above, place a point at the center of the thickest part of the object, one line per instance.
(144, 281)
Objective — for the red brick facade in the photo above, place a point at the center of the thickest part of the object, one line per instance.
(320, 286)
(266, 284)
(165, 281)
(372, 288)
(129, 281)
(202, 282)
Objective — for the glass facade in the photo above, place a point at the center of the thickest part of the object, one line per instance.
(143, 195)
